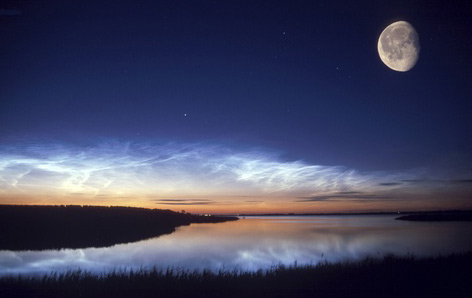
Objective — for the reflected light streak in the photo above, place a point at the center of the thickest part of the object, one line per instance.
(255, 243)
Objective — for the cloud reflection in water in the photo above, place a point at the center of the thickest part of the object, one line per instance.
(254, 243)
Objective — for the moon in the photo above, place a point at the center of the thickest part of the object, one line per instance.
(399, 46)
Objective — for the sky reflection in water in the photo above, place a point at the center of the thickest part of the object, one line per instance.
(254, 243)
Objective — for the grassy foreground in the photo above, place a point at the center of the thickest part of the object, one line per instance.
(391, 276)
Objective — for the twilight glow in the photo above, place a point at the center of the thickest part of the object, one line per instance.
(210, 178)
(219, 107)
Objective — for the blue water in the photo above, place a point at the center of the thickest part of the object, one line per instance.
(256, 243)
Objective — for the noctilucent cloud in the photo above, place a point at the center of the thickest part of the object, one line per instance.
(203, 177)
(230, 107)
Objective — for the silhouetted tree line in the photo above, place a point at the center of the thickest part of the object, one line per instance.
(55, 227)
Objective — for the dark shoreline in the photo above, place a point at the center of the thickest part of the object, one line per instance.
(356, 213)
(439, 216)
(57, 227)
(390, 276)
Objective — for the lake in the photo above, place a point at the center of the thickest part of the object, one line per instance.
(256, 243)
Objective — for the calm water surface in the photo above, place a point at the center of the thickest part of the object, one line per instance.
(254, 243)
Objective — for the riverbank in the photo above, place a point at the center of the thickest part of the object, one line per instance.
(57, 227)
(390, 276)
(439, 216)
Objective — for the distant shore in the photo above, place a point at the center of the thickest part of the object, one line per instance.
(439, 216)
(390, 276)
(356, 213)
(57, 227)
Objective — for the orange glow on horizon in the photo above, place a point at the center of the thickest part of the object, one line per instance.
(260, 206)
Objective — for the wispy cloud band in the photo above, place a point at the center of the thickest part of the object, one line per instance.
(173, 174)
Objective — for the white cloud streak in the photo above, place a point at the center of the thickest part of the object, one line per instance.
(175, 170)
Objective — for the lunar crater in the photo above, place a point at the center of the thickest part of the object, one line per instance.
(398, 46)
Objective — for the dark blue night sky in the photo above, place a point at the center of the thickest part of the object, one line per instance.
(288, 81)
